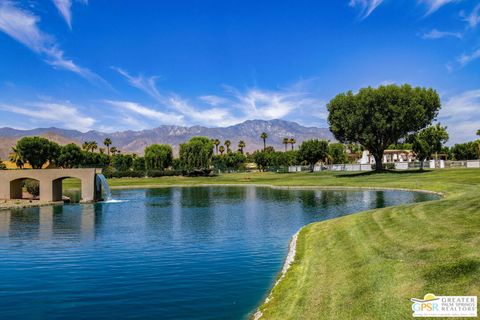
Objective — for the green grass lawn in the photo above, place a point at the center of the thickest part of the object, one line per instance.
(368, 265)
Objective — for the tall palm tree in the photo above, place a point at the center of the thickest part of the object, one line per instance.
(264, 136)
(241, 145)
(222, 150)
(114, 150)
(286, 141)
(107, 142)
(227, 144)
(292, 141)
(216, 142)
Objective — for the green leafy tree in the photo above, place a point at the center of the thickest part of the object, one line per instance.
(465, 151)
(379, 117)
(313, 151)
(114, 151)
(158, 157)
(478, 143)
(241, 146)
(71, 156)
(264, 137)
(262, 159)
(37, 151)
(139, 164)
(107, 142)
(337, 153)
(122, 162)
(196, 155)
(221, 149)
(428, 141)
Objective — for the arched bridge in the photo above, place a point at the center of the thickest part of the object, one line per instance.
(50, 181)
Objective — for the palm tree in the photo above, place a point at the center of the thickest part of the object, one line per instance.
(93, 145)
(16, 158)
(241, 145)
(292, 141)
(264, 136)
(101, 150)
(216, 142)
(286, 141)
(222, 150)
(114, 150)
(107, 142)
(227, 144)
(86, 145)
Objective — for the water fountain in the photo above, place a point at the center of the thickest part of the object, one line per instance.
(102, 184)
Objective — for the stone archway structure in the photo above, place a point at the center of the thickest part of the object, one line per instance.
(50, 183)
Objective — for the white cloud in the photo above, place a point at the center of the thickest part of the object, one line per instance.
(434, 5)
(465, 59)
(22, 26)
(366, 6)
(65, 9)
(147, 112)
(473, 19)
(52, 113)
(436, 34)
(145, 84)
(461, 113)
(234, 106)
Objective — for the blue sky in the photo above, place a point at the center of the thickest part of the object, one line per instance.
(119, 65)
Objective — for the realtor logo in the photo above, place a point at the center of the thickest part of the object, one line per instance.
(444, 306)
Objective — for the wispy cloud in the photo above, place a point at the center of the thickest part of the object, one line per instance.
(461, 113)
(436, 34)
(232, 107)
(22, 26)
(465, 59)
(434, 5)
(366, 6)
(52, 113)
(65, 9)
(472, 19)
(148, 112)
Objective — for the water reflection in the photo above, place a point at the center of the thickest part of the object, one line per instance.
(51, 222)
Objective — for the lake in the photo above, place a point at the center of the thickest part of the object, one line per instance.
(170, 253)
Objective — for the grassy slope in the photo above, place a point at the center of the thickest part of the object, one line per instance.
(368, 265)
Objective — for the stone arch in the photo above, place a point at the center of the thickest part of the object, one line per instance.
(16, 186)
(50, 182)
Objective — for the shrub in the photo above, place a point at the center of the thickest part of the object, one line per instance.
(33, 187)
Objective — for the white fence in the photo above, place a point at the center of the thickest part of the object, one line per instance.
(429, 164)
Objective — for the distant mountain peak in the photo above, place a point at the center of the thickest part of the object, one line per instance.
(135, 141)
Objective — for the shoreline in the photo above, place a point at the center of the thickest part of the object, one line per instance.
(292, 251)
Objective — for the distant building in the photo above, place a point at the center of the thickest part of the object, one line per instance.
(389, 156)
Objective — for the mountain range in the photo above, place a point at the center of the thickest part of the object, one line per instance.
(135, 141)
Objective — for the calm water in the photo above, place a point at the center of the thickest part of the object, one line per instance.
(178, 253)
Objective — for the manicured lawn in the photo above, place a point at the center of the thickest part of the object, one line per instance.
(368, 265)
